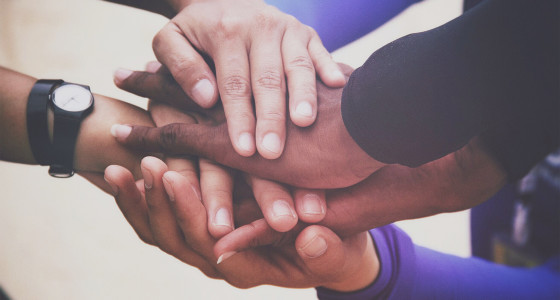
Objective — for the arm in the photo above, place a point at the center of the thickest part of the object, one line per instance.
(427, 94)
(14, 144)
(410, 271)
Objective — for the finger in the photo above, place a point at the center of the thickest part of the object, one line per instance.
(301, 76)
(310, 204)
(189, 69)
(344, 265)
(324, 253)
(217, 189)
(130, 201)
(153, 66)
(155, 86)
(255, 234)
(232, 71)
(190, 214)
(165, 229)
(269, 89)
(98, 180)
(327, 69)
(275, 202)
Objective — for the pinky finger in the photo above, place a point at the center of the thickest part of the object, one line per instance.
(130, 201)
(327, 69)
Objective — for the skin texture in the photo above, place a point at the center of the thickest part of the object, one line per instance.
(320, 156)
(170, 216)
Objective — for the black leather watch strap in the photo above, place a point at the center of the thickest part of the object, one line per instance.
(66, 128)
(37, 127)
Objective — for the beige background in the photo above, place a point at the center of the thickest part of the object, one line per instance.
(64, 239)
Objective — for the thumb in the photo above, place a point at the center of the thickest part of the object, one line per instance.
(323, 252)
(344, 265)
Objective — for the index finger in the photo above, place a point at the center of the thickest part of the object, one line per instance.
(187, 66)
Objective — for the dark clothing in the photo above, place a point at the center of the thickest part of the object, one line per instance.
(492, 72)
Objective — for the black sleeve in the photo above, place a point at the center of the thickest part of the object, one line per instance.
(156, 6)
(491, 72)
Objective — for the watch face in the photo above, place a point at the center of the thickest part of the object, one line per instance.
(72, 97)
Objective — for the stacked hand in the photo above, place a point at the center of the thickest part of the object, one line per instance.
(254, 48)
(320, 156)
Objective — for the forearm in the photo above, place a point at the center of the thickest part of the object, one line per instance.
(410, 271)
(95, 147)
(427, 94)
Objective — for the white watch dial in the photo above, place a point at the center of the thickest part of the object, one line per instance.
(72, 97)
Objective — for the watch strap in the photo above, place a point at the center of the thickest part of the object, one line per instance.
(37, 124)
(65, 133)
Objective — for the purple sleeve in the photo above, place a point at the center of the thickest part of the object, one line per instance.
(428, 94)
(409, 271)
(339, 22)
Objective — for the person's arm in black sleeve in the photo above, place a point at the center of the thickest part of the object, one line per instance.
(427, 94)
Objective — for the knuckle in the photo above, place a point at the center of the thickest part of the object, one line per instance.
(301, 62)
(270, 80)
(236, 86)
(273, 116)
(268, 19)
(169, 135)
(228, 27)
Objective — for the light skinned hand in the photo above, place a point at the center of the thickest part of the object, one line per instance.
(170, 215)
(320, 156)
(257, 52)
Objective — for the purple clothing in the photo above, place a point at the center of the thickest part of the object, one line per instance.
(341, 22)
(409, 271)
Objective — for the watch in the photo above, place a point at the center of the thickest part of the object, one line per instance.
(71, 103)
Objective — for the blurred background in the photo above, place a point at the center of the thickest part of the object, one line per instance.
(64, 239)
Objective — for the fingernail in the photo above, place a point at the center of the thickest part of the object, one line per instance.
(114, 187)
(245, 142)
(315, 248)
(120, 131)
(337, 74)
(271, 142)
(153, 66)
(148, 179)
(225, 256)
(121, 75)
(203, 92)
(304, 109)
(168, 185)
(222, 218)
(280, 208)
(312, 205)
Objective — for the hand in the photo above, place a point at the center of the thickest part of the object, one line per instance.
(455, 182)
(321, 156)
(254, 47)
(217, 184)
(177, 225)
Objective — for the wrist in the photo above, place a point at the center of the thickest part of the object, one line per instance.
(368, 270)
(96, 149)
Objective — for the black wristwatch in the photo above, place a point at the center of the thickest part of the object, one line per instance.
(71, 103)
